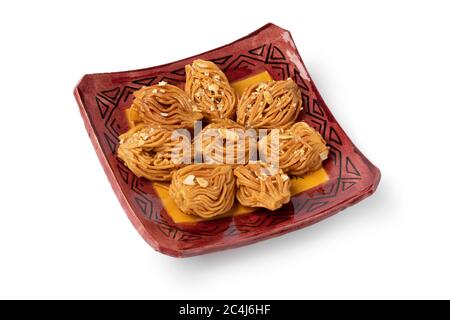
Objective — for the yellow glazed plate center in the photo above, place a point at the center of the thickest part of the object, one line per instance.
(298, 184)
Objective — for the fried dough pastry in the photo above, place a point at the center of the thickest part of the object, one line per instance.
(165, 105)
(209, 88)
(260, 185)
(219, 137)
(147, 151)
(275, 104)
(206, 190)
(301, 149)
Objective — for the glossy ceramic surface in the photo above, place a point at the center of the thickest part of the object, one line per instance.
(102, 99)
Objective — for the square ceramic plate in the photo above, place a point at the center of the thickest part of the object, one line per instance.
(350, 177)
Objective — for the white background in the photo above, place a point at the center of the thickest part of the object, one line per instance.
(381, 67)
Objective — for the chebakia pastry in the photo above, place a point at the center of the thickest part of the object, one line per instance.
(275, 104)
(301, 149)
(224, 141)
(209, 88)
(148, 152)
(261, 185)
(163, 104)
(315, 140)
(156, 149)
(205, 190)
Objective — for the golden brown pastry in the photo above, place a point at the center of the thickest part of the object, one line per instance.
(301, 149)
(209, 88)
(218, 137)
(275, 104)
(147, 151)
(165, 105)
(260, 185)
(206, 190)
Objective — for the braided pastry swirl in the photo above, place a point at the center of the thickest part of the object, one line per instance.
(158, 145)
(218, 137)
(206, 190)
(275, 104)
(147, 151)
(208, 87)
(301, 149)
(260, 185)
(165, 105)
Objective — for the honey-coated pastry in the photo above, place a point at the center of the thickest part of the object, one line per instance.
(223, 136)
(147, 151)
(206, 190)
(260, 185)
(301, 149)
(163, 104)
(209, 88)
(275, 104)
